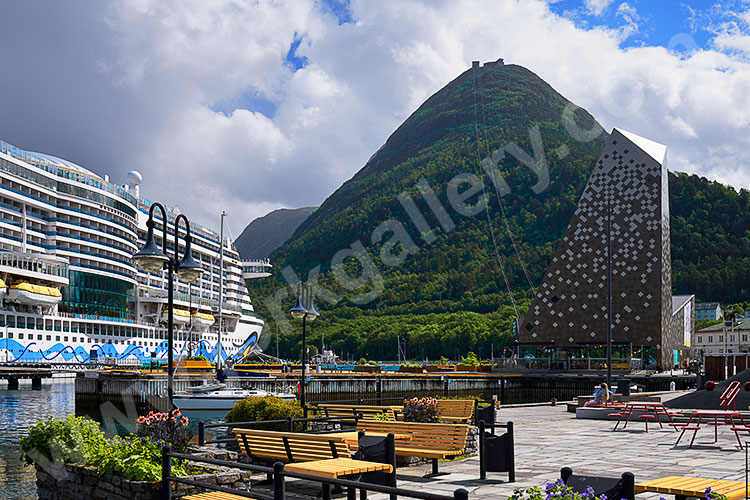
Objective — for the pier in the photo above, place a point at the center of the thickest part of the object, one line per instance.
(12, 373)
(149, 390)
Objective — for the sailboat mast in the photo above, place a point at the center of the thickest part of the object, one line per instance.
(221, 288)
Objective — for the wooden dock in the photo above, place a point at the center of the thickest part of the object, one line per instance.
(149, 389)
(12, 373)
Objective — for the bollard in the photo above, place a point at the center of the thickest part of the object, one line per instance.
(278, 481)
(460, 494)
(201, 433)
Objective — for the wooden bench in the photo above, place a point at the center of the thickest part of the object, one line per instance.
(214, 495)
(684, 487)
(455, 410)
(327, 456)
(289, 447)
(368, 411)
(434, 441)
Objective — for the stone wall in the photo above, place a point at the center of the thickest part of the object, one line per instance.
(76, 482)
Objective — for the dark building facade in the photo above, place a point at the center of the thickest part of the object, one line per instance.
(627, 196)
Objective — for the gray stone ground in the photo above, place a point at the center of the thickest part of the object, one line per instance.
(548, 438)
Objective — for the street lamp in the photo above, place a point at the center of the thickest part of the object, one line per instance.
(305, 310)
(151, 259)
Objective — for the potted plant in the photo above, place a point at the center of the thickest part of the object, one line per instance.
(410, 368)
(365, 366)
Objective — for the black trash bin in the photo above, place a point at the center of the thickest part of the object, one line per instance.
(486, 414)
(496, 452)
(378, 449)
(623, 386)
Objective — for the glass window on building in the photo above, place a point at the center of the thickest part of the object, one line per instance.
(700, 339)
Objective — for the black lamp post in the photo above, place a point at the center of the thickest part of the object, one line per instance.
(305, 310)
(151, 259)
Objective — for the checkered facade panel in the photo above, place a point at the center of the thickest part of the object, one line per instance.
(628, 191)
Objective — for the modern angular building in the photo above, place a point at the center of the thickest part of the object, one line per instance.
(625, 207)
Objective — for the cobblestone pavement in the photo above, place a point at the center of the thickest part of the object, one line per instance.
(548, 438)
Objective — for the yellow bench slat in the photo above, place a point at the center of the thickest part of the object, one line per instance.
(215, 495)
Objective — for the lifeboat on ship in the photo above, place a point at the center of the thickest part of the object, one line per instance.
(203, 320)
(180, 316)
(34, 295)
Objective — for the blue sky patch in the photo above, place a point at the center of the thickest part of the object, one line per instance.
(678, 25)
(292, 59)
(340, 9)
(251, 100)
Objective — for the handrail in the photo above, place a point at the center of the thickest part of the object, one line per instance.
(279, 474)
(289, 421)
(729, 396)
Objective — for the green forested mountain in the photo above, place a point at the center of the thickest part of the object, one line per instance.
(265, 234)
(421, 268)
(710, 239)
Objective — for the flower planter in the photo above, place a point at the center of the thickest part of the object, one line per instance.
(195, 366)
(59, 481)
(467, 368)
(410, 369)
(366, 369)
(440, 368)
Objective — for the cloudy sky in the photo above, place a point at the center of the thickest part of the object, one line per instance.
(250, 106)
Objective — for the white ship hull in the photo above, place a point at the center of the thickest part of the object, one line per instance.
(220, 400)
(40, 338)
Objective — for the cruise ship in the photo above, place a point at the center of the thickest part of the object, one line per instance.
(69, 291)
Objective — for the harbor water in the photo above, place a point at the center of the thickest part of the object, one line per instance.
(19, 410)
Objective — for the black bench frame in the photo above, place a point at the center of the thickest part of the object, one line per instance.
(279, 477)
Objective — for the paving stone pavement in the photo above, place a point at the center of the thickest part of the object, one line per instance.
(548, 438)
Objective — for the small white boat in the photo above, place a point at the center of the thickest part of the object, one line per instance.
(201, 398)
(179, 316)
(203, 320)
(34, 295)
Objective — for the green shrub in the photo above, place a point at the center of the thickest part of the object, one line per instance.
(421, 410)
(71, 439)
(135, 458)
(362, 361)
(372, 363)
(197, 358)
(382, 417)
(470, 360)
(265, 408)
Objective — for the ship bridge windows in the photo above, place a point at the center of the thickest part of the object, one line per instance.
(49, 337)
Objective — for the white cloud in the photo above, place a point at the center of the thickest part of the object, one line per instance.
(135, 84)
(597, 7)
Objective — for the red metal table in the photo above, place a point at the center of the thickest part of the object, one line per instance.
(715, 414)
(649, 409)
